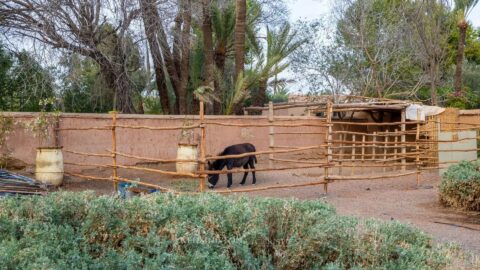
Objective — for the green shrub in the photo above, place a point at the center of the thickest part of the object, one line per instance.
(164, 231)
(460, 186)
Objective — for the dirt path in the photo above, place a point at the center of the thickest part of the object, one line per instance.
(399, 199)
(389, 199)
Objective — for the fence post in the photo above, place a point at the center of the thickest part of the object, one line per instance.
(417, 147)
(395, 149)
(354, 140)
(271, 133)
(203, 177)
(363, 154)
(56, 131)
(403, 139)
(385, 147)
(342, 137)
(114, 150)
(328, 138)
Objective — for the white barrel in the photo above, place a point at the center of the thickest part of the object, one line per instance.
(187, 152)
(49, 166)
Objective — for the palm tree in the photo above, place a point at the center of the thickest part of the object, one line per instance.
(240, 31)
(223, 23)
(462, 9)
(208, 47)
(280, 44)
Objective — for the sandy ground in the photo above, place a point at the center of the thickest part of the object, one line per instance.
(388, 199)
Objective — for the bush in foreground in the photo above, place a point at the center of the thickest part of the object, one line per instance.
(460, 186)
(82, 231)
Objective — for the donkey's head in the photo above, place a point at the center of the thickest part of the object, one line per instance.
(212, 178)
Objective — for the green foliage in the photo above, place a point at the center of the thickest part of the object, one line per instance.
(23, 82)
(460, 186)
(280, 96)
(6, 127)
(472, 45)
(165, 231)
(151, 105)
(42, 126)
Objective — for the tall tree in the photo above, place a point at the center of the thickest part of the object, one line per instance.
(462, 9)
(240, 31)
(208, 47)
(280, 44)
(23, 82)
(431, 22)
(81, 27)
(185, 56)
(175, 54)
(373, 41)
(151, 23)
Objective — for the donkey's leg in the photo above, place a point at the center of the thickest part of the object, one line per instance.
(251, 162)
(229, 175)
(245, 174)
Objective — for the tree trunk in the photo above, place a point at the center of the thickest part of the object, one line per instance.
(240, 29)
(149, 11)
(462, 27)
(220, 56)
(261, 96)
(116, 76)
(433, 82)
(140, 106)
(208, 48)
(185, 58)
(177, 37)
(171, 69)
(122, 93)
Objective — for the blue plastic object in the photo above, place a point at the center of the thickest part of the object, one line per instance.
(125, 193)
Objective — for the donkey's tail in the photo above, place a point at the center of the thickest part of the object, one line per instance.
(255, 159)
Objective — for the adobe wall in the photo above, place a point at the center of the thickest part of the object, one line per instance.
(155, 143)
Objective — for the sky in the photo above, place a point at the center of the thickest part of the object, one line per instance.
(311, 9)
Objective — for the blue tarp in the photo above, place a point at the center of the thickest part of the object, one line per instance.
(13, 184)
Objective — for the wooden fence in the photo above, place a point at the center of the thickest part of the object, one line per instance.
(388, 153)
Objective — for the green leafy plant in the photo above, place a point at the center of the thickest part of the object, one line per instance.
(208, 231)
(206, 94)
(6, 126)
(43, 124)
(460, 186)
(280, 96)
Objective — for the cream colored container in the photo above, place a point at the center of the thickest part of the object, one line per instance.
(187, 152)
(49, 166)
